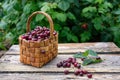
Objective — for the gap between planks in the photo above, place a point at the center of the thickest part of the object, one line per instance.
(11, 63)
(57, 76)
(69, 48)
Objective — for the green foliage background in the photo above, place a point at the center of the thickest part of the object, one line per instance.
(102, 18)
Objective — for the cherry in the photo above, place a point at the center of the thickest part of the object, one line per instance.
(81, 74)
(54, 33)
(43, 51)
(34, 39)
(33, 33)
(84, 26)
(75, 64)
(38, 34)
(77, 72)
(47, 33)
(28, 33)
(78, 65)
(73, 60)
(64, 61)
(30, 37)
(65, 65)
(59, 65)
(68, 65)
(66, 72)
(39, 37)
(69, 60)
(89, 75)
(85, 72)
(42, 35)
(44, 28)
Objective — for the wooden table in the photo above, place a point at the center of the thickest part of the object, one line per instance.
(109, 69)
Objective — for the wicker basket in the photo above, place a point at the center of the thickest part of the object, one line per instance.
(31, 51)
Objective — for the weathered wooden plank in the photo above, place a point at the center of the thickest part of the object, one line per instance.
(100, 47)
(10, 63)
(1, 53)
(56, 76)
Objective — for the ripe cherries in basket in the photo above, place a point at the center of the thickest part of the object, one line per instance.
(38, 34)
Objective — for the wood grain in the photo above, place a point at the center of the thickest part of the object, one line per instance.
(100, 47)
(10, 63)
(56, 76)
(109, 69)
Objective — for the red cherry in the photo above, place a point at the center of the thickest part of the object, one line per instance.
(66, 72)
(68, 65)
(54, 33)
(84, 26)
(75, 64)
(81, 74)
(34, 39)
(30, 37)
(69, 60)
(42, 35)
(25, 36)
(84, 71)
(77, 72)
(89, 75)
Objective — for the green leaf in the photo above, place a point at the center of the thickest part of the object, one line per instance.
(92, 53)
(77, 3)
(39, 17)
(70, 1)
(97, 61)
(99, 1)
(53, 5)
(71, 16)
(98, 23)
(26, 8)
(87, 61)
(57, 27)
(89, 9)
(63, 5)
(2, 46)
(45, 8)
(57, 0)
(74, 38)
(66, 28)
(9, 36)
(89, 56)
(107, 5)
(117, 12)
(61, 16)
(3, 25)
(86, 53)
(79, 55)
(101, 10)
(89, 12)
(85, 36)
(69, 36)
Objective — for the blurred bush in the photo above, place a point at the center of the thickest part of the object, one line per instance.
(75, 20)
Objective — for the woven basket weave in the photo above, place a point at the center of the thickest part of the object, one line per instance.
(31, 52)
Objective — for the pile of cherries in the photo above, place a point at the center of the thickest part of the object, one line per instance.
(73, 62)
(38, 34)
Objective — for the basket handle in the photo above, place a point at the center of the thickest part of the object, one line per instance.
(47, 16)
